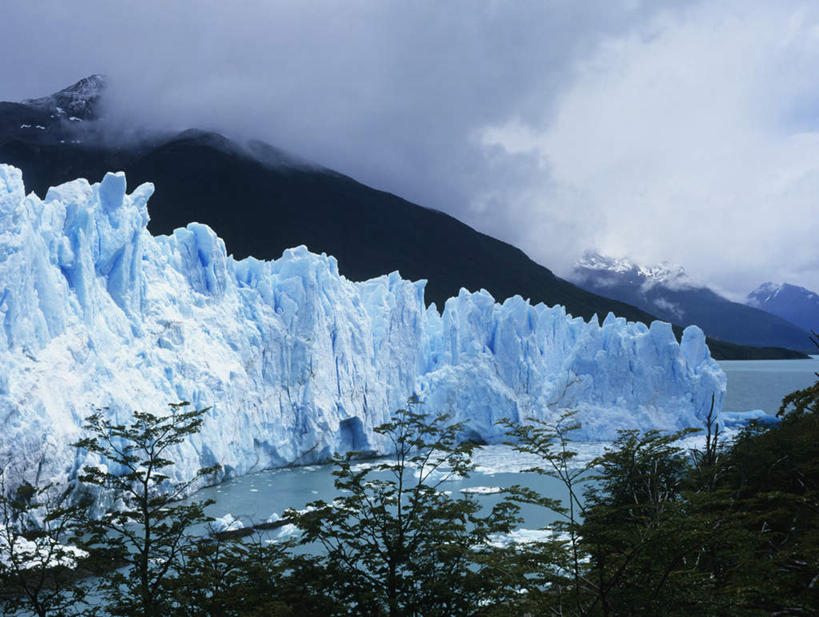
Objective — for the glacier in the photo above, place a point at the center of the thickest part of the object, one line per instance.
(295, 361)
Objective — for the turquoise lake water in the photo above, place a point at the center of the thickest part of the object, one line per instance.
(761, 384)
(254, 498)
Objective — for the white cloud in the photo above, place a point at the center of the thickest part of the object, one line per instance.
(663, 130)
(694, 139)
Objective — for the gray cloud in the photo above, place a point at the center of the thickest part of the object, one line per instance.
(662, 131)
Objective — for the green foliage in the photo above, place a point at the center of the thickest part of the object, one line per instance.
(637, 531)
(610, 563)
(394, 543)
(648, 528)
(147, 530)
(37, 560)
(553, 576)
(204, 579)
(732, 529)
(802, 401)
(250, 577)
(773, 474)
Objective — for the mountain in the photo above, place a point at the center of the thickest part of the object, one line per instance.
(262, 201)
(78, 102)
(60, 118)
(798, 305)
(668, 292)
(294, 360)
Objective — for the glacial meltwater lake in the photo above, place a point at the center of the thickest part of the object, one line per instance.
(757, 384)
(254, 498)
(761, 384)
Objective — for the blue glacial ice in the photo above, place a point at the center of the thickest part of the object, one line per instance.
(294, 360)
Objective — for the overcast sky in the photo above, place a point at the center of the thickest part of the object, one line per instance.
(686, 132)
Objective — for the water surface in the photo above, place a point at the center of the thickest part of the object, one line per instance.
(761, 384)
(752, 384)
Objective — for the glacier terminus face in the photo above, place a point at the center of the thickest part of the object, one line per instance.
(295, 361)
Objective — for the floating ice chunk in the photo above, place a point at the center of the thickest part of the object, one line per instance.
(738, 419)
(286, 531)
(227, 523)
(37, 553)
(523, 536)
(482, 490)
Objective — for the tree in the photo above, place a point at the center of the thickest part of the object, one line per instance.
(626, 535)
(147, 528)
(395, 543)
(636, 531)
(805, 400)
(555, 570)
(249, 577)
(731, 529)
(37, 560)
(205, 579)
(772, 473)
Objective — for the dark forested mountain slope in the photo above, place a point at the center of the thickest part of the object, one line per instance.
(261, 209)
(261, 201)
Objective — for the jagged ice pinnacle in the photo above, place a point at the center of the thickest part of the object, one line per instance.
(295, 361)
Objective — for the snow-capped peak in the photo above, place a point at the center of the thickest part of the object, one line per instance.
(77, 101)
(664, 272)
(764, 293)
(792, 302)
(769, 291)
(595, 261)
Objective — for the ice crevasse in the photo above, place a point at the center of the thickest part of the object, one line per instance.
(294, 360)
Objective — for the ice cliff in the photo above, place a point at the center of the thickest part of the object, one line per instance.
(294, 360)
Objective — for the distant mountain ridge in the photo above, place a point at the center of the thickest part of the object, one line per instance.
(262, 200)
(79, 101)
(798, 305)
(665, 272)
(667, 291)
